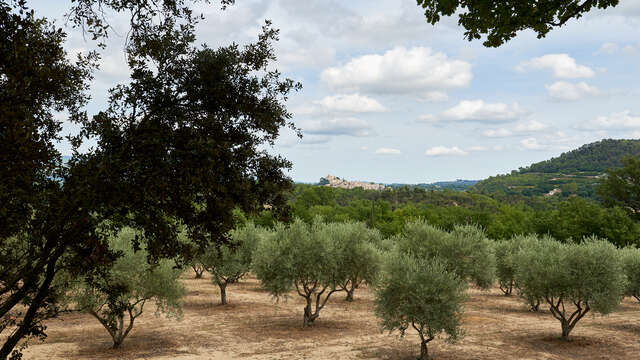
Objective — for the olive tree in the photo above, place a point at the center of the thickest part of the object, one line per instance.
(505, 250)
(228, 263)
(631, 264)
(465, 251)
(571, 278)
(423, 294)
(301, 257)
(358, 258)
(117, 297)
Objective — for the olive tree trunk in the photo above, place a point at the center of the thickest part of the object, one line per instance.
(558, 311)
(315, 300)
(199, 270)
(350, 287)
(223, 292)
(424, 340)
(117, 326)
(507, 287)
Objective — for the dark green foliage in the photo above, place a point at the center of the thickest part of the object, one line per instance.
(621, 187)
(597, 157)
(117, 297)
(465, 251)
(205, 113)
(561, 218)
(300, 257)
(44, 224)
(91, 15)
(501, 20)
(423, 294)
(572, 278)
(577, 218)
(179, 146)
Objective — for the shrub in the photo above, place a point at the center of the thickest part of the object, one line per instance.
(126, 287)
(300, 257)
(465, 251)
(571, 278)
(420, 293)
(631, 264)
(357, 256)
(229, 263)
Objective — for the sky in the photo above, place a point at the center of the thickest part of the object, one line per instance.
(388, 97)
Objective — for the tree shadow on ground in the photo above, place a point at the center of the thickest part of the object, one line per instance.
(137, 345)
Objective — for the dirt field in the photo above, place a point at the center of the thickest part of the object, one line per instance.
(253, 326)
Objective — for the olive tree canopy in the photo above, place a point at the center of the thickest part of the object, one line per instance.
(573, 279)
(422, 294)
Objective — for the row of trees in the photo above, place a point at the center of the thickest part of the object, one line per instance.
(420, 276)
(573, 218)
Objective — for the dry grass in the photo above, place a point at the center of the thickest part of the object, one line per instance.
(253, 326)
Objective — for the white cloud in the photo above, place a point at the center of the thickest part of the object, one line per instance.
(341, 103)
(338, 126)
(562, 66)
(531, 144)
(610, 48)
(435, 96)
(388, 151)
(354, 103)
(400, 71)
(478, 110)
(557, 140)
(501, 132)
(615, 121)
(486, 148)
(562, 90)
(443, 150)
(531, 126)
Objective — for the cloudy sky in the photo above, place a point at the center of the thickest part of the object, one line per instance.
(388, 97)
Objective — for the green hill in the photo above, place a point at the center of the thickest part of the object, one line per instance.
(576, 172)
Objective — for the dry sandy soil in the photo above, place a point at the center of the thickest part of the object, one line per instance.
(253, 326)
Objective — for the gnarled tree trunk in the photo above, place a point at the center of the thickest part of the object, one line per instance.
(558, 311)
(199, 270)
(315, 301)
(117, 329)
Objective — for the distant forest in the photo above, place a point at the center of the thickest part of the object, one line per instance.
(594, 157)
(576, 172)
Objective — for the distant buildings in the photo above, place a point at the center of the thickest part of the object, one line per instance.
(336, 182)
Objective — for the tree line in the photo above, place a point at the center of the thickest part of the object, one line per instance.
(563, 219)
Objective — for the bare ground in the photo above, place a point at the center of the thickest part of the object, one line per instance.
(254, 326)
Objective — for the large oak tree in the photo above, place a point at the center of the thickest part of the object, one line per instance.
(178, 146)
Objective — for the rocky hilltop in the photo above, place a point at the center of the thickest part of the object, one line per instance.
(336, 182)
